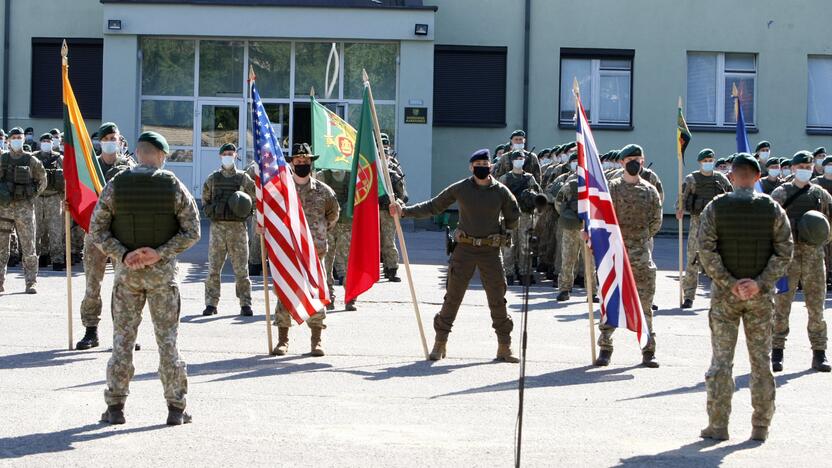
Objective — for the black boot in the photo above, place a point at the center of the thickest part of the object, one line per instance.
(550, 274)
(114, 414)
(563, 296)
(245, 311)
(177, 416)
(603, 359)
(777, 359)
(648, 359)
(350, 306)
(58, 266)
(90, 339)
(819, 362)
(390, 274)
(687, 304)
(209, 310)
(14, 260)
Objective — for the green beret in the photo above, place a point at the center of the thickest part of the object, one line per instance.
(480, 155)
(573, 157)
(630, 150)
(730, 159)
(517, 155)
(45, 136)
(802, 157)
(827, 160)
(107, 128)
(746, 160)
(818, 151)
(55, 131)
(705, 153)
(605, 156)
(772, 162)
(784, 162)
(544, 151)
(720, 162)
(556, 149)
(569, 146)
(519, 133)
(30, 130)
(228, 147)
(16, 131)
(498, 148)
(761, 145)
(302, 149)
(156, 140)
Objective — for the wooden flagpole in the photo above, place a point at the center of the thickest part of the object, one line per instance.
(680, 208)
(589, 279)
(388, 187)
(67, 241)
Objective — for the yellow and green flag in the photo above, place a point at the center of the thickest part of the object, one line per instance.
(333, 139)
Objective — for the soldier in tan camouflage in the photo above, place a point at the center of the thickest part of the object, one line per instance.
(49, 213)
(255, 258)
(572, 242)
(321, 210)
(228, 237)
(745, 246)
(524, 188)
(145, 264)
(339, 237)
(518, 144)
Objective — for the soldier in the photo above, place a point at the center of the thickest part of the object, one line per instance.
(22, 179)
(555, 234)
(255, 261)
(339, 237)
(762, 152)
(745, 246)
(29, 136)
(723, 165)
(566, 202)
(227, 196)
(524, 188)
(482, 202)
(145, 265)
(786, 170)
(389, 252)
(799, 197)
(819, 154)
(532, 164)
(825, 181)
(57, 140)
(3, 144)
(321, 209)
(698, 189)
(544, 158)
(646, 173)
(639, 212)
(497, 161)
(49, 216)
(771, 180)
(562, 167)
(95, 261)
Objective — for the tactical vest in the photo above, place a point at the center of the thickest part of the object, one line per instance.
(769, 186)
(823, 182)
(706, 189)
(110, 170)
(144, 203)
(17, 176)
(54, 174)
(744, 231)
(222, 189)
(519, 185)
(799, 206)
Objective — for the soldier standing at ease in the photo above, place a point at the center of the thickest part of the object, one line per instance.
(49, 214)
(531, 165)
(638, 208)
(825, 181)
(524, 188)
(145, 262)
(227, 196)
(255, 261)
(819, 154)
(321, 209)
(339, 237)
(566, 202)
(799, 197)
(771, 180)
(387, 227)
(745, 246)
(762, 153)
(482, 202)
(22, 179)
(698, 189)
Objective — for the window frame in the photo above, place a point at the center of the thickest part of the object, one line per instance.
(595, 56)
(720, 124)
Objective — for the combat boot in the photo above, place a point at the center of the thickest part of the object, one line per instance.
(505, 354)
(331, 305)
(114, 414)
(245, 311)
(282, 341)
(648, 359)
(777, 359)
(31, 288)
(510, 280)
(438, 351)
(350, 306)
(759, 433)
(316, 349)
(390, 274)
(715, 433)
(563, 296)
(604, 357)
(90, 339)
(209, 310)
(819, 362)
(687, 304)
(177, 416)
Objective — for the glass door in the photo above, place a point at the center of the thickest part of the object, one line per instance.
(220, 122)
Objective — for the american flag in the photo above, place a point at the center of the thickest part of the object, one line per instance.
(296, 270)
(620, 305)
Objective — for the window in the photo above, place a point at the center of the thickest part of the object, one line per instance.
(85, 60)
(711, 78)
(819, 113)
(271, 62)
(220, 69)
(605, 78)
(380, 62)
(469, 86)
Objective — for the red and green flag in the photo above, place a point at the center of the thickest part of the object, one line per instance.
(682, 133)
(84, 180)
(333, 139)
(366, 186)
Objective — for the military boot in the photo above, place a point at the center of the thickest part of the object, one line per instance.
(759, 433)
(331, 305)
(177, 416)
(90, 339)
(438, 351)
(282, 341)
(350, 306)
(209, 310)
(687, 304)
(819, 362)
(505, 354)
(316, 349)
(391, 275)
(648, 359)
(31, 288)
(563, 296)
(604, 357)
(114, 414)
(777, 359)
(715, 433)
(245, 311)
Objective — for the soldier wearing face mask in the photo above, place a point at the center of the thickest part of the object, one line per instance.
(645, 173)
(762, 152)
(825, 181)
(29, 138)
(57, 141)
(555, 235)
(819, 154)
(546, 222)
(698, 189)
(49, 216)
(340, 236)
(525, 189)
(531, 164)
(772, 179)
(560, 167)
(786, 170)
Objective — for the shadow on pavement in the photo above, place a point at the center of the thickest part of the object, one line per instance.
(235, 318)
(51, 442)
(414, 369)
(693, 454)
(740, 382)
(44, 358)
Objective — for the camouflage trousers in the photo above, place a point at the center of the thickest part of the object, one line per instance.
(156, 286)
(464, 260)
(724, 318)
(516, 257)
(49, 220)
(389, 252)
(283, 319)
(228, 239)
(338, 241)
(544, 229)
(691, 279)
(95, 263)
(557, 242)
(644, 271)
(807, 268)
(19, 216)
(254, 255)
(572, 249)
(76, 238)
(827, 256)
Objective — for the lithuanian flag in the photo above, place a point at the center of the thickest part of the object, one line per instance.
(682, 133)
(84, 180)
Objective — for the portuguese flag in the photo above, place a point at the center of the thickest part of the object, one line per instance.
(362, 204)
(84, 180)
(333, 140)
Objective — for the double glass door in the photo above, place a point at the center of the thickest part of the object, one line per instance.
(220, 122)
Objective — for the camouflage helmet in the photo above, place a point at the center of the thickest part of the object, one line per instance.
(240, 204)
(813, 228)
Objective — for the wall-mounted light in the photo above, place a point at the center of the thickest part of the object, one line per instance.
(421, 30)
(114, 25)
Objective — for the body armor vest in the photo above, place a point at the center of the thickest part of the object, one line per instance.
(222, 189)
(744, 229)
(144, 203)
(799, 205)
(54, 174)
(17, 176)
(706, 189)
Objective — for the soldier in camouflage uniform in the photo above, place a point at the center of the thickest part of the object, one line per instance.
(387, 226)
(555, 234)
(255, 259)
(807, 266)
(572, 244)
(698, 189)
(825, 181)
(771, 180)
(111, 163)
(639, 212)
(524, 188)
(531, 164)
(228, 237)
(321, 209)
(339, 237)
(49, 213)
(762, 153)
(557, 169)
(745, 246)
(819, 154)
(22, 179)
(145, 265)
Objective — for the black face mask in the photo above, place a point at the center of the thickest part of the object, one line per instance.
(481, 172)
(302, 170)
(633, 167)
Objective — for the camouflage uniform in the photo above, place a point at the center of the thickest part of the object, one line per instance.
(646, 174)
(339, 237)
(639, 212)
(827, 249)
(727, 310)
(532, 165)
(19, 215)
(49, 212)
(556, 233)
(806, 268)
(321, 209)
(571, 243)
(389, 252)
(226, 239)
(516, 256)
(154, 285)
(254, 255)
